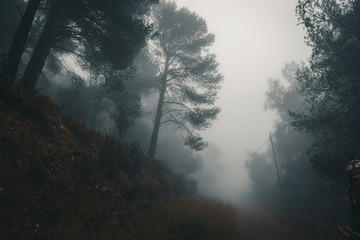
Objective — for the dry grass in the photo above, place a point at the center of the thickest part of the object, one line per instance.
(55, 185)
(265, 223)
(186, 218)
(190, 218)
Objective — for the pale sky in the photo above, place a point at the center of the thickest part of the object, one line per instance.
(254, 39)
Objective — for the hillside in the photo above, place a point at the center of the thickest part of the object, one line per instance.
(60, 180)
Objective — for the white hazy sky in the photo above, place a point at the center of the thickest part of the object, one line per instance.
(254, 39)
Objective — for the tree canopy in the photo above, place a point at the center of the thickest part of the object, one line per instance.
(100, 32)
(187, 73)
(299, 175)
(331, 81)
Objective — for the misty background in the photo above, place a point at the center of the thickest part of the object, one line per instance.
(260, 50)
(259, 38)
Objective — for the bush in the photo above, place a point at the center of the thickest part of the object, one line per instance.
(84, 134)
(118, 155)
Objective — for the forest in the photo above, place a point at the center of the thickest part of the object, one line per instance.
(104, 107)
(316, 131)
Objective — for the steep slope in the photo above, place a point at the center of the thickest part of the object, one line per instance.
(59, 180)
(45, 177)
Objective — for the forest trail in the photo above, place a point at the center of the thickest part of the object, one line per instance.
(263, 223)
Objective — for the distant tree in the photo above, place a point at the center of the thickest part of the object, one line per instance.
(145, 80)
(262, 174)
(299, 176)
(331, 82)
(290, 146)
(100, 105)
(126, 105)
(283, 96)
(188, 74)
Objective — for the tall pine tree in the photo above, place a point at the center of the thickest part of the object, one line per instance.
(189, 79)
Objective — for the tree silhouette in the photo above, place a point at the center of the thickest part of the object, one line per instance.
(19, 41)
(100, 32)
(188, 74)
(331, 82)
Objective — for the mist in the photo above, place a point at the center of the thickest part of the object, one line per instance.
(259, 39)
(239, 100)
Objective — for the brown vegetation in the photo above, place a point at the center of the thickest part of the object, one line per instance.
(264, 223)
(60, 180)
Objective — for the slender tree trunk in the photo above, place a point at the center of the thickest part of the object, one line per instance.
(19, 40)
(155, 133)
(41, 51)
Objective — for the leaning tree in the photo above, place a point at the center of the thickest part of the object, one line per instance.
(95, 31)
(19, 41)
(188, 75)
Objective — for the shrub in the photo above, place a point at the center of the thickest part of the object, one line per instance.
(118, 155)
(84, 134)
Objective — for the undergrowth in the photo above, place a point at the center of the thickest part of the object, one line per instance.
(27, 101)
(62, 180)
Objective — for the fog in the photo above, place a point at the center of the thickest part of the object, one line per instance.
(259, 46)
(259, 37)
(253, 41)
(213, 116)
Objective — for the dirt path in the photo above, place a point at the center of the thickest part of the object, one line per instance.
(261, 223)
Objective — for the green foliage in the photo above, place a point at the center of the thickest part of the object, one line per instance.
(330, 84)
(196, 97)
(195, 142)
(102, 102)
(119, 34)
(200, 118)
(106, 36)
(188, 72)
(125, 105)
(303, 169)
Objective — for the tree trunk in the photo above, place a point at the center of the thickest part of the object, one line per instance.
(41, 51)
(155, 133)
(19, 40)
